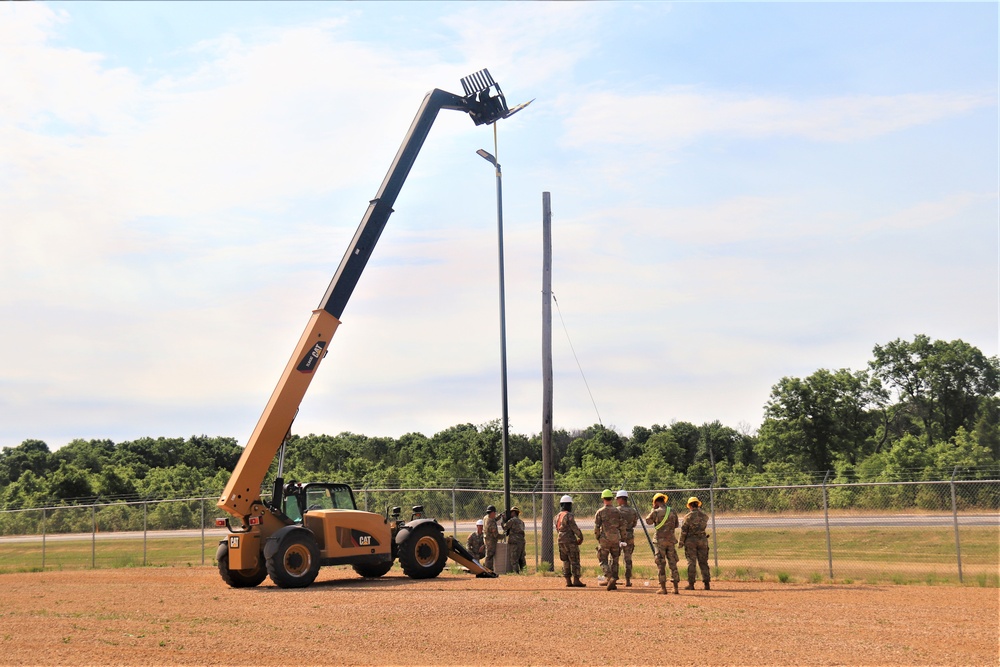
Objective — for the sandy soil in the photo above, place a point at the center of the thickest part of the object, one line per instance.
(188, 616)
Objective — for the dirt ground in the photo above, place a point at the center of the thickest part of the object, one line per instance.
(188, 616)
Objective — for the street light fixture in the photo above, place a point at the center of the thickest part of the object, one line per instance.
(504, 437)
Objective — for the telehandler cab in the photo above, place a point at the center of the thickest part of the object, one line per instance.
(305, 526)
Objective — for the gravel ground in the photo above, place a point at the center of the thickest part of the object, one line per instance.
(188, 616)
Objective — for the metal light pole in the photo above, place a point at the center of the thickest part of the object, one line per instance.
(503, 330)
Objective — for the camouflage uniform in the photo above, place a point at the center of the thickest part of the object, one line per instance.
(513, 528)
(610, 532)
(630, 517)
(476, 545)
(694, 540)
(570, 539)
(490, 536)
(666, 554)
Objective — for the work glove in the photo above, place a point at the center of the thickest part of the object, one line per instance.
(622, 544)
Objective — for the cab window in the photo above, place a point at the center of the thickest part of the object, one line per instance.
(343, 499)
(292, 509)
(319, 499)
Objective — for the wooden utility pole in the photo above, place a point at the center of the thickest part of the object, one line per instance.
(547, 554)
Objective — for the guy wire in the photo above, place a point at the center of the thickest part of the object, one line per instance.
(586, 384)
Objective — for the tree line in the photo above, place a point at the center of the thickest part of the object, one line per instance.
(920, 410)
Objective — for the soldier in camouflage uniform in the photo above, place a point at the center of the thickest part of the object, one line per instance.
(476, 544)
(490, 535)
(694, 541)
(665, 522)
(513, 528)
(570, 538)
(629, 518)
(610, 532)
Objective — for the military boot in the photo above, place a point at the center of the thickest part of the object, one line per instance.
(628, 581)
(612, 585)
(569, 582)
(577, 583)
(676, 592)
(690, 586)
(708, 586)
(663, 589)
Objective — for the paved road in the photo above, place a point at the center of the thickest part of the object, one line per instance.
(721, 523)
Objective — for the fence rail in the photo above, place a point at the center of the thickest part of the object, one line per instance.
(942, 531)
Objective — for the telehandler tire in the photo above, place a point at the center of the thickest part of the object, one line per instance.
(295, 563)
(372, 570)
(423, 554)
(240, 578)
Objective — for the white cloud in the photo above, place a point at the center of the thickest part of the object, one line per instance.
(931, 213)
(165, 233)
(679, 116)
(60, 90)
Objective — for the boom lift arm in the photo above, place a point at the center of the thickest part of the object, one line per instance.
(241, 497)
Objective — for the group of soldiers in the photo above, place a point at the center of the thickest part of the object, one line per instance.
(614, 529)
(483, 543)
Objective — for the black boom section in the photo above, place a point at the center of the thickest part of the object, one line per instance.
(481, 106)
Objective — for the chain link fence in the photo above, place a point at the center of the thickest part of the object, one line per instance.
(901, 532)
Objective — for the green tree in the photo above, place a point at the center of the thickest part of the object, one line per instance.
(69, 483)
(662, 449)
(688, 436)
(810, 422)
(30, 455)
(90, 455)
(28, 490)
(944, 382)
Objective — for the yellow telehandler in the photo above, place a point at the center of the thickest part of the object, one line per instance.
(305, 526)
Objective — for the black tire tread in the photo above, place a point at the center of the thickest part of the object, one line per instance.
(407, 555)
(239, 578)
(275, 564)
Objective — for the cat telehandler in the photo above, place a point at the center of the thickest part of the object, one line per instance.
(305, 526)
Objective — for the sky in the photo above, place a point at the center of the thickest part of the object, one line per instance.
(740, 192)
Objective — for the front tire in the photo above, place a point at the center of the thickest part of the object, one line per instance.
(372, 570)
(423, 554)
(295, 564)
(240, 578)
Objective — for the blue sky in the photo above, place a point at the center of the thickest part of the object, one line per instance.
(740, 192)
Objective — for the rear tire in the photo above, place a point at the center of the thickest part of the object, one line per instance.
(423, 554)
(296, 562)
(372, 570)
(241, 578)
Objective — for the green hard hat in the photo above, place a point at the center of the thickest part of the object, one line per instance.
(607, 493)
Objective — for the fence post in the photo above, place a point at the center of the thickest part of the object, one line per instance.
(454, 510)
(715, 541)
(144, 533)
(954, 515)
(365, 491)
(202, 531)
(826, 519)
(93, 537)
(43, 538)
(534, 516)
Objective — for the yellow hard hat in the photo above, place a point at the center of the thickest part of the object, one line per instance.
(694, 501)
(515, 508)
(660, 496)
(607, 493)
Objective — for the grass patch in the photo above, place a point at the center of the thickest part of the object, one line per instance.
(872, 555)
